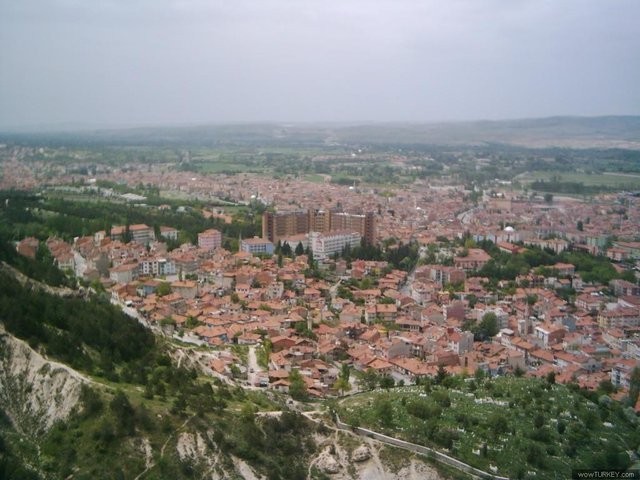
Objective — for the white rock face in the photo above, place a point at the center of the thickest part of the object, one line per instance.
(35, 392)
(328, 464)
(364, 462)
(361, 454)
(191, 446)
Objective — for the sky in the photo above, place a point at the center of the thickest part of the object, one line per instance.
(118, 63)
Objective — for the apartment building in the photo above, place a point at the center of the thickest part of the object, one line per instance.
(139, 233)
(324, 245)
(156, 267)
(210, 239)
(256, 245)
(169, 233)
(279, 225)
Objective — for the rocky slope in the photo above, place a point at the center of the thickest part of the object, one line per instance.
(34, 392)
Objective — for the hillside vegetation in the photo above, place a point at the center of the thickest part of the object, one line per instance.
(524, 427)
(131, 405)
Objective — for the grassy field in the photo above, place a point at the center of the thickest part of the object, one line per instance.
(314, 177)
(517, 425)
(607, 179)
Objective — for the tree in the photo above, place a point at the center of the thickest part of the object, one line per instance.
(551, 377)
(345, 371)
(163, 289)
(127, 236)
(167, 322)
(310, 260)
(384, 411)
(369, 379)
(580, 226)
(297, 387)
(498, 423)
(548, 197)
(342, 385)
(387, 381)
(441, 375)
(472, 300)
(634, 386)
(538, 421)
(299, 249)
(488, 326)
(123, 413)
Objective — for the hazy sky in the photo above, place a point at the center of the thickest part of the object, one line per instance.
(148, 62)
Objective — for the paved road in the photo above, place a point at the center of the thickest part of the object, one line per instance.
(254, 368)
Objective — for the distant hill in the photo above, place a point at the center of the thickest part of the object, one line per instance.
(574, 132)
(570, 132)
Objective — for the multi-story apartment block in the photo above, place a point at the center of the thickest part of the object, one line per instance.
(621, 372)
(363, 224)
(440, 274)
(623, 288)
(276, 226)
(256, 245)
(283, 224)
(621, 317)
(139, 233)
(156, 267)
(168, 233)
(210, 239)
(324, 245)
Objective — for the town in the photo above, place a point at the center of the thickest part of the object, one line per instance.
(397, 283)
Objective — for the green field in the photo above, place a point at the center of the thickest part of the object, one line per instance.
(314, 177)
(518, 425)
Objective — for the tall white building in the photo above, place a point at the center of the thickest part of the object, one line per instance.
(256, 245)
(324, 245)
(156, 266)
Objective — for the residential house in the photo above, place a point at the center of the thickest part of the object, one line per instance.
(475, 259)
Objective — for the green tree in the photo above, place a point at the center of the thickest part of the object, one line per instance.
(310, 260)
(286, 250)
(342, 385)
(163, 289)
(345, 371)
(498, 423)
(634, 386)
(297, 387)
(387, 381)
(299, 249)
(488, 326)
(551, 377)
(369, 379)
(123, 413)
(383, 410)
(127, 236)
(441, 375)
